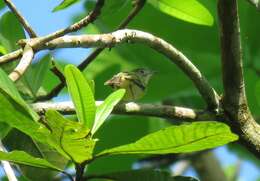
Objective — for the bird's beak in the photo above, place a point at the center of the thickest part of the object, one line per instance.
(108, 82)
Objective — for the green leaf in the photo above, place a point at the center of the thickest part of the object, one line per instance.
(71, 138)
(16, 116)
(81, 95)
(11, 29)
(9, 88)
(4, 129)
(145, 175)
(16, 140)
(179, 139)
(35, 75)
(189, 10)
(64, 4)
(106, 108)
(2, 5)
(22, 157)
(3, 50)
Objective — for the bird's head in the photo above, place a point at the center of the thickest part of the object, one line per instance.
(144, 74)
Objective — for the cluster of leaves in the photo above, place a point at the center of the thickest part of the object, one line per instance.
(74, 140)
(77, 141)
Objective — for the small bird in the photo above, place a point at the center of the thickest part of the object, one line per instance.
(134, 82)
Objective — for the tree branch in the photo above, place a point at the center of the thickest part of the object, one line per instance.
(135, 36)
(234, 99)
(40, 41)
(23, 64)
(7, 167)
(131, 108)
(21, 19)
(255, 3)
(11, 56)
(138, 5)
(208, 167)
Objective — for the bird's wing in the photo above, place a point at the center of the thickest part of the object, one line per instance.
(136, 81)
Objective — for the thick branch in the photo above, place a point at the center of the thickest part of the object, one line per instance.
(23, 64)
(21, 19)
(131, 108)
(161, 46)
(234, 100)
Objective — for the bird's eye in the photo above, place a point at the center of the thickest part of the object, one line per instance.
(141, 71)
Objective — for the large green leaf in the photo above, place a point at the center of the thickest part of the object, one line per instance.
(22, 157)
(81, 94)
(2, 5)
(188, 10)
(145, 175)
(179, 139)
(71, 138)
(16, 140)
(9, 88)
(106, 108)
(16, 116)
(64, 4)
(11, 29)
(35, 75)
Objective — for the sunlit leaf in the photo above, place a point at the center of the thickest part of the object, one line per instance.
(106, 108)
(9, 88)
(64, 4)
(179, 139)
(2, 50)
(71, 138)
(81, 94)
(26, 159)
(189, 10)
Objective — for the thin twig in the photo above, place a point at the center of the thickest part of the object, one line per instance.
(23, 64)
(40, 41)
(234, 99)
(21, 19)
(57, 72)
(11, 56)
(72, 28)
(7, 167)
(131, 108)
(139, 4)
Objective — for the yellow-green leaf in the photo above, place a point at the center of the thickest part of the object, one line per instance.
(24, 158)
(106, 108)
(71, 138)
(188, 10)
(81, 94)
(179, 139)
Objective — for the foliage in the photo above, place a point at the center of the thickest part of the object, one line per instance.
(95, 136)
(74, 140)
